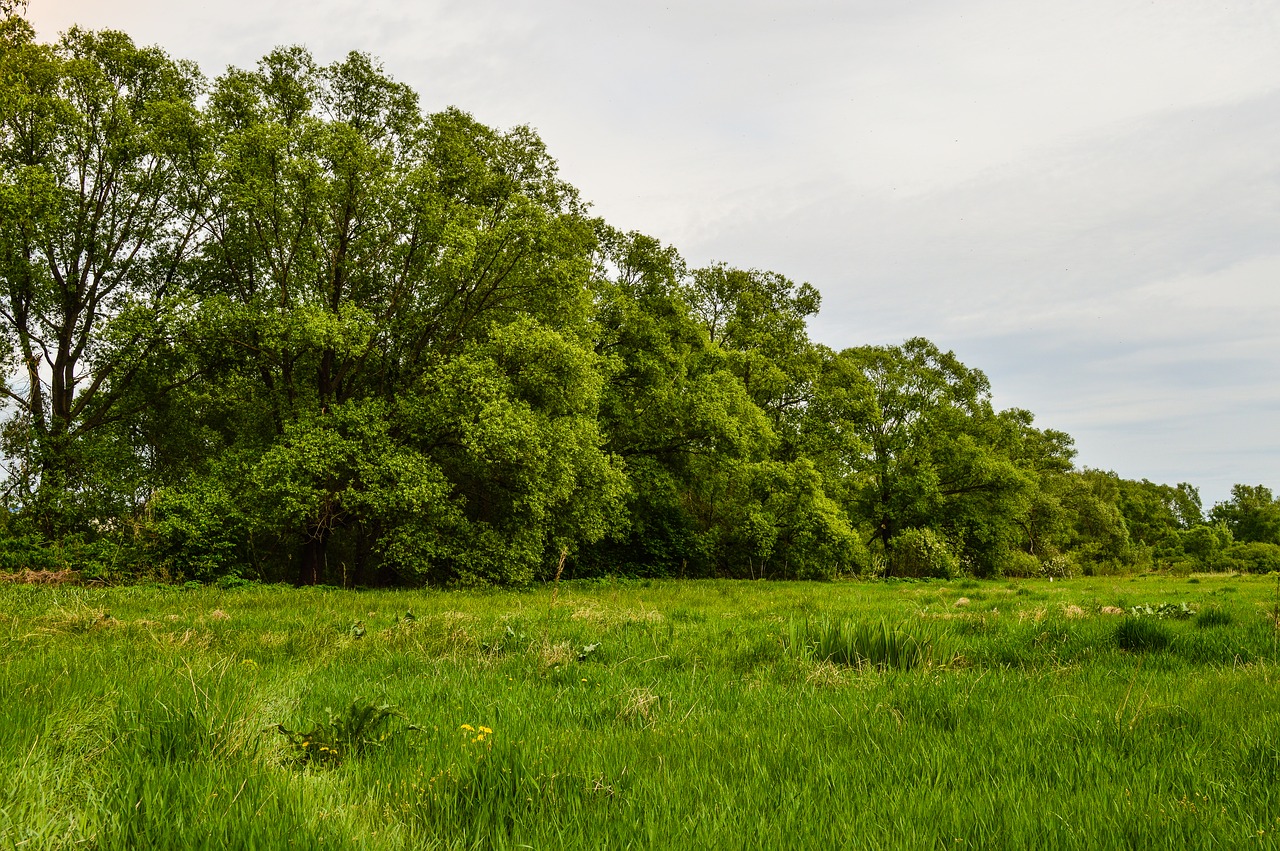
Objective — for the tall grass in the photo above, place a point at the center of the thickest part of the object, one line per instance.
(902, 646)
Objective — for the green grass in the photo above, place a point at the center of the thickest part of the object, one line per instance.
(643, 715)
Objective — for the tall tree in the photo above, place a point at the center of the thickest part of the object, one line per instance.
(760, 320)
(364, 260)
(909, 440)
(101, 153)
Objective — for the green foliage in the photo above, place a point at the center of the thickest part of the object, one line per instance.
(356, 730)
(1019, 564)
(100, 146)
(287, 325)
(1177, 611)
(921, 553)
(1206, 544)
(1252, 557)
(1252, 514)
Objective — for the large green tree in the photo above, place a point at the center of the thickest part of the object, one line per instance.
(908, 439)
(101, 207)
(379, 288)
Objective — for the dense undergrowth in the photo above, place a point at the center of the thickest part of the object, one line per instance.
(1100, 713)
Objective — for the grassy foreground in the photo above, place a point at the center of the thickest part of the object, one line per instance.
(648, 715)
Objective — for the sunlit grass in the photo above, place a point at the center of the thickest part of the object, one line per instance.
(636, 714)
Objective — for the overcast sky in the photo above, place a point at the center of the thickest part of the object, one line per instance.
(1081, 198)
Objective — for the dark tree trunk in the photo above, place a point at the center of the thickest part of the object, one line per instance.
(314, 557)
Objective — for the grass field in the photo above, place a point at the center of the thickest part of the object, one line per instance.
(646, 715)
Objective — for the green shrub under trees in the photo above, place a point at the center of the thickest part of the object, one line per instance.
(284, 324)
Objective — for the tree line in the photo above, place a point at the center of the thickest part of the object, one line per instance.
(285, 325)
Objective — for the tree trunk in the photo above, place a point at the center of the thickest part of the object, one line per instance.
(314, 557)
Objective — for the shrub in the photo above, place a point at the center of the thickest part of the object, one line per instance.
(921, 553)
(1019, 564)
(1058, 567)
(1253, 557)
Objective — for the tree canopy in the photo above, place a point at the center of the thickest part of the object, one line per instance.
(284, 324)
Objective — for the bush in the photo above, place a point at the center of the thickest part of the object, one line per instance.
(23, 548)
(1018, 564)
(921, 553)
(1058, 567)
(193, 531)
(1253, 557)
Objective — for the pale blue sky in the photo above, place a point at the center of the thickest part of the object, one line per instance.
(1082, 199)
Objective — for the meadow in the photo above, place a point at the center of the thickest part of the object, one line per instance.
(1101, 712)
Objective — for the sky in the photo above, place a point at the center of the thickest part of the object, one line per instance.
(1080, 199)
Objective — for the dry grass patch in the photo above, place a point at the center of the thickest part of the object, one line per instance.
(604, 616)
(639, 703)
(79, 618)
(42, 577)
(554, 654)
(827, 674)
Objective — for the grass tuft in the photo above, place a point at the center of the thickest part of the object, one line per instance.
(1142, 635)
(1213, 617)
(900, 646)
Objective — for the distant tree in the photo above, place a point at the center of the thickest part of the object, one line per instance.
(910, 434)
(1205, 543)
(1154, 513)
(1252, 514)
